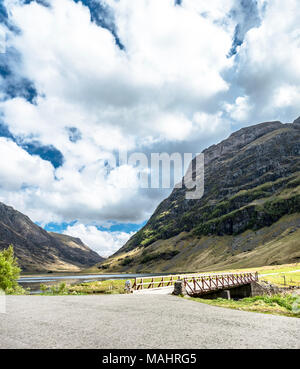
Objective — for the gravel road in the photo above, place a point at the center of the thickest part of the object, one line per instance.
(138, 321)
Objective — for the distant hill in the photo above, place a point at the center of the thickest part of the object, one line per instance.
(249, 214)
(39, 250)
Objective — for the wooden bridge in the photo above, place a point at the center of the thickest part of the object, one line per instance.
(197, 284)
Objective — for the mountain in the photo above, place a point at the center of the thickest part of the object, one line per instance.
(248, 216)
(39, 250)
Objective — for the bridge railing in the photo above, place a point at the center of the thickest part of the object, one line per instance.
(212, 282)
(155, 282)
(195, 282)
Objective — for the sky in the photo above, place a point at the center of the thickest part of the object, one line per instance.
(82, 80)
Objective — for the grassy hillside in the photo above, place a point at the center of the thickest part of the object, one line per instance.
(249, 214)
(207, 247)
(251, 180)
(187, 252)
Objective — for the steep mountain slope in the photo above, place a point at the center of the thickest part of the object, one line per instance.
(38, 250)
(252, 188)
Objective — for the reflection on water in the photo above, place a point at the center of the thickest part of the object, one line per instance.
(33, 282)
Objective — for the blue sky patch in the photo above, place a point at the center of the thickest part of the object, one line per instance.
(55, 227)
(103, 17)
(49, 153)
(117, 227)
(46, 152)
(41, 2)
(21, 88)
(247, 17)
(126, 227)
(4, 131)
(12, 84)
(74, 134)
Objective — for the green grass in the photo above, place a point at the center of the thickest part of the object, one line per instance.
(265, 269)
(283, 279)
(111, 286)
(114, 286)
(60, 289)
(280, 304)
(291, 279)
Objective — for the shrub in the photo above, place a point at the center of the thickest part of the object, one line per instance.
(43, 288)
(159, 256)
(9, 272)
(127, 261)
(61, 289)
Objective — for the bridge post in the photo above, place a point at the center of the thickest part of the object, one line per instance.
(179, 288)
(225, 294)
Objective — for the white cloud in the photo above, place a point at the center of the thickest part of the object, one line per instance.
(287, 95)
(84, 74)
(174, 126)
(19, 169)
(103, 242)
(172, 89)
(2, 39)
(209, 124)
(240, 110)
(213, 9)
(117, 99)
(268, 63)
(47, 195)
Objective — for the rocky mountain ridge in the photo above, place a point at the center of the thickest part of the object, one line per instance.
(39, 250)
(252, 182)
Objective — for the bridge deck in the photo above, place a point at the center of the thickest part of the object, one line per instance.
(197, 283)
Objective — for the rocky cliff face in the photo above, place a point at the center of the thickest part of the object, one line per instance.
(38, 250)
(251, 182)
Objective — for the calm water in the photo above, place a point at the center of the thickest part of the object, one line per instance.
(34, 282)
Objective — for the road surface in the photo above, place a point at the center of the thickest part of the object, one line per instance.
(138, 321)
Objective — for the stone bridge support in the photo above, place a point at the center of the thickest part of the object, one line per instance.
(238, 292)
(234, 292)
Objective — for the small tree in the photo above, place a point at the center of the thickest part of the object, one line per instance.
(9, 271)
